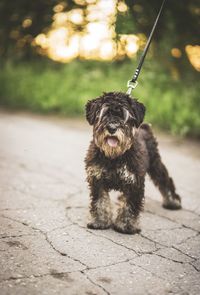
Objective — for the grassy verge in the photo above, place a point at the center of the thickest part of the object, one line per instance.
(65, 89)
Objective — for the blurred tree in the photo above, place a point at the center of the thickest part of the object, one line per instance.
(178, 26)
(22, 20)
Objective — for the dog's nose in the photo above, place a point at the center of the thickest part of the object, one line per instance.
(111, 128)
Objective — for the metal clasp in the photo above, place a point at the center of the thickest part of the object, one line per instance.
(131, 85)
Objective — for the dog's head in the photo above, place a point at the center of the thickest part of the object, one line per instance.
(115, 116)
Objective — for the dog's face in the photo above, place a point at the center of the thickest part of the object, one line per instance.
(115, 116)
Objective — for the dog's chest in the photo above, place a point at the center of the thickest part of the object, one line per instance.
(112, 176)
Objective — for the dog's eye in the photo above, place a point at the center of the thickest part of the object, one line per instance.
(128, 117)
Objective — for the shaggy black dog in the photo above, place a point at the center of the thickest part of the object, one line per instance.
(121, 152)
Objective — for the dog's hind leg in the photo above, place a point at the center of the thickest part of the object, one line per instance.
(160, 177)
(159, 174)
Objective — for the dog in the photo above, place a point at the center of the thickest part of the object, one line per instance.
(122, 151)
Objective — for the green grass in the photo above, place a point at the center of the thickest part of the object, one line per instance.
(50, 87)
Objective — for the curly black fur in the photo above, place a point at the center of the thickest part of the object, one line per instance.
(121, 152)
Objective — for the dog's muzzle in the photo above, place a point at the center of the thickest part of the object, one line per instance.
(111, 139)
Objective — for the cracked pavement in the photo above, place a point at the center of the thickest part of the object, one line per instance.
(45, 246)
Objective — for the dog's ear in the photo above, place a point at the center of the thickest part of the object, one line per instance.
(137, 110)
(91, 109)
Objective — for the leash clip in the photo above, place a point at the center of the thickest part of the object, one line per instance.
(131, 85)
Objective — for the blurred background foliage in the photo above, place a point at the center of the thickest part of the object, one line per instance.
(55, 55)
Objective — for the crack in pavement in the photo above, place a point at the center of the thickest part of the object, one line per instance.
(62, 253)
(87, 268)
(94, 234)
(188, 238)
(170, 259)
(95, 284)
(155, 242)
(189, 227)
(48, 241)
(114, 242)
(59, 227)
(119, 244)
(152, 273)
(65, 254)
(138, 253)
(161, 244)
(174, 247)
(198, 270)
(12, 278)
(18, 221)
(177, 261)
(179, 226)
(170, 219)
(113, 264)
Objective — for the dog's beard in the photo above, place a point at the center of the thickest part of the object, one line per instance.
(113, 145)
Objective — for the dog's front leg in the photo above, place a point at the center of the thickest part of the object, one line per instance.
(131, 204)
(100, 207)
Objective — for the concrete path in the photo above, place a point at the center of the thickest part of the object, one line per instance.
(45, 247)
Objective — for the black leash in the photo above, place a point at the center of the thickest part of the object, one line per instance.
(133, 82)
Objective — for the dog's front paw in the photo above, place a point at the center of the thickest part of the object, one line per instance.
(129, 227)
(98, 224)
(172, 203)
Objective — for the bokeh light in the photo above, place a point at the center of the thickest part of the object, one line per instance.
(176, 52)
(193, 53)
(91, 35)
(96, 41)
